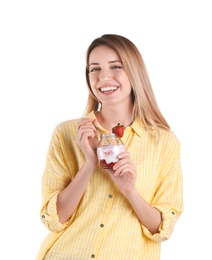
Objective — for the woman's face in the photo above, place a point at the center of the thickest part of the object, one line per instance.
(108, 80)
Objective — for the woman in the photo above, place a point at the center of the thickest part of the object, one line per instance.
(125, 212)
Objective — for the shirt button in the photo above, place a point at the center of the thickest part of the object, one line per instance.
(92, 256)
(110, 196)
(102, 225)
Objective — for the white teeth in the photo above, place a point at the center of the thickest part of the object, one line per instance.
(108, 89)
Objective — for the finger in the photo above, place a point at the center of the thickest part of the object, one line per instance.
(122, 170)
(124, 155)
(86, 127)
(121, 162)
(95, 123)
(85, 135)
(83, 122)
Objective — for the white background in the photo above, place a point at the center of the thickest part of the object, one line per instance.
(42, 82)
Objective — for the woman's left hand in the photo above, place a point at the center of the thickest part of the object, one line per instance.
(124, 173)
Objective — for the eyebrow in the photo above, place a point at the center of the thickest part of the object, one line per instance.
(113, 61)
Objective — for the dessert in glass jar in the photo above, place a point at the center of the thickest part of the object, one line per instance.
(108, 149)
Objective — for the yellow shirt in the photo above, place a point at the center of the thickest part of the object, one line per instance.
(104, 225)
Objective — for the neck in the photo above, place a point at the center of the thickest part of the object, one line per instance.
(108, 117)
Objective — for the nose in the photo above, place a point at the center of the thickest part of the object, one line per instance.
(105, 74)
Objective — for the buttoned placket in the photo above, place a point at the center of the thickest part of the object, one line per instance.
(110, 196)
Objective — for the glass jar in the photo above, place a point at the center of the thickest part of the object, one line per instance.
(109, 147)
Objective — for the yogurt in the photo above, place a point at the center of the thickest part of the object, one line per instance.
(107, 155)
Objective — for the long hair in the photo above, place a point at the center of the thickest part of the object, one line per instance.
(145, 105)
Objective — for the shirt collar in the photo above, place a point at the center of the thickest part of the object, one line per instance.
(137, 127)
(91, 115)
(137, 124)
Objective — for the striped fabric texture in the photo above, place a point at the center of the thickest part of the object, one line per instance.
(104, 226)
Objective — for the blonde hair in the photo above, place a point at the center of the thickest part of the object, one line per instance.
(145, 105)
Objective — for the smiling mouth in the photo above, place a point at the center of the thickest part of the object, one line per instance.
(108, 89)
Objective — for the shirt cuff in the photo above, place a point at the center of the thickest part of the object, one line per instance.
(49, 216)
(169, 218)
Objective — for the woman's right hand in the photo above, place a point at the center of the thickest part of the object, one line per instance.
(87, 138)
(69, 198)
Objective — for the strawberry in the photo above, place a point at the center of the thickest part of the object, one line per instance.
(118, 130)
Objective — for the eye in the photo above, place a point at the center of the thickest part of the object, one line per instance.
(117, 67)
(94, 69)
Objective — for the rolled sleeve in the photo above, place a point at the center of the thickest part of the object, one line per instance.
(49, 216)
(56, 177)
(169, 196)
(169, 218)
